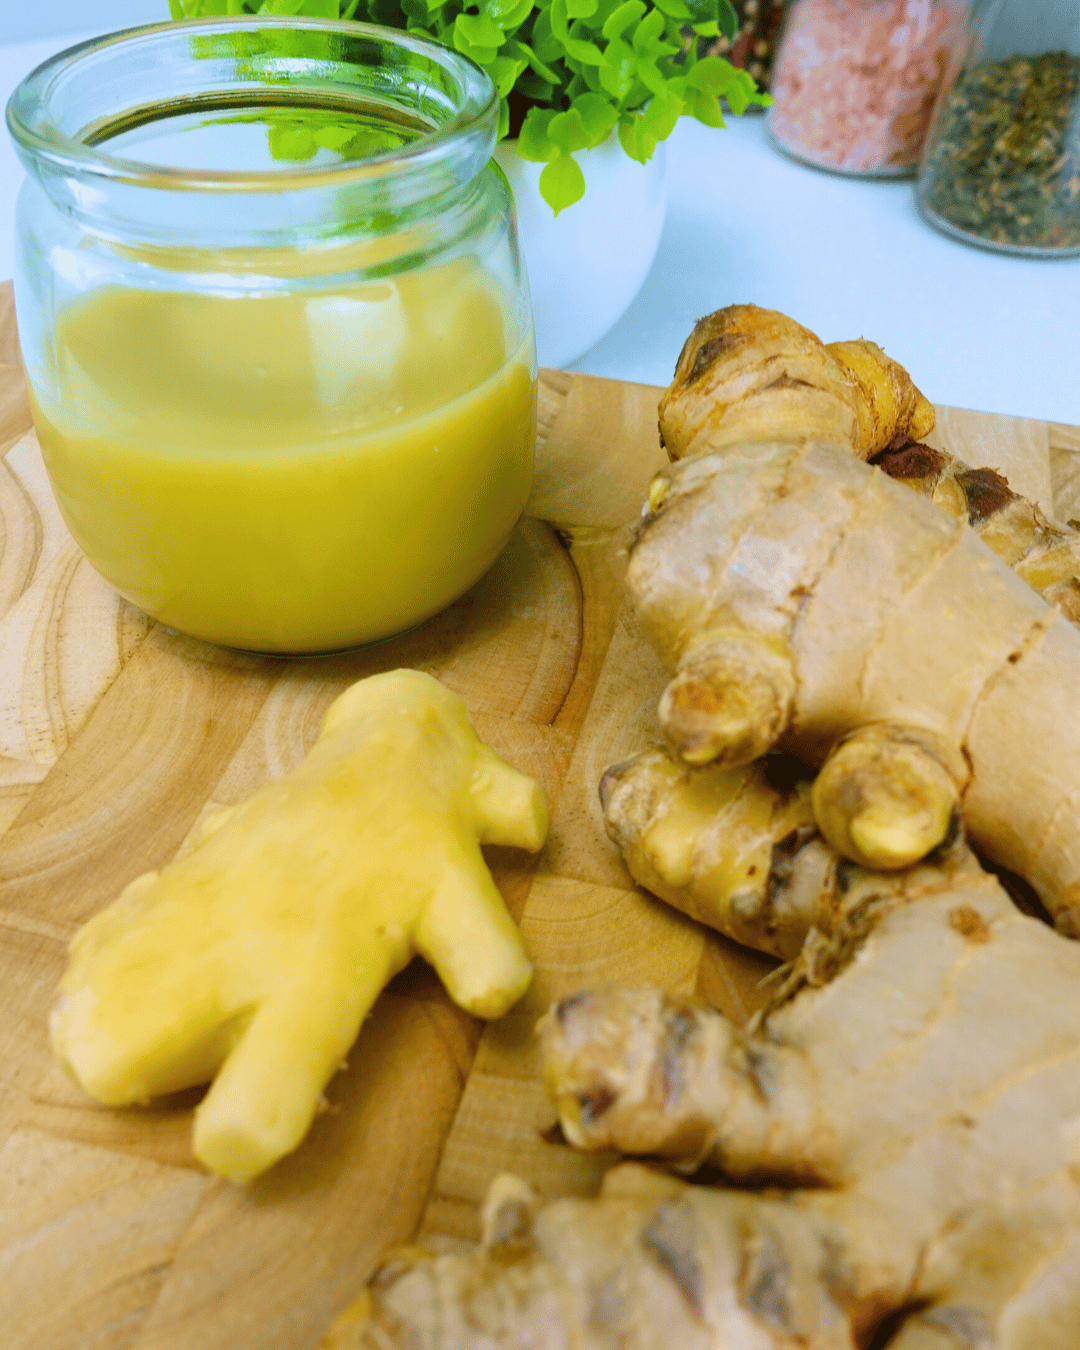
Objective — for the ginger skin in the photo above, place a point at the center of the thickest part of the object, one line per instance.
(253, 959)
(736, 849)
(909, 1103)
(1042, 552)
(889, 611)
(884, 797)
(747, 373)
(739, 849)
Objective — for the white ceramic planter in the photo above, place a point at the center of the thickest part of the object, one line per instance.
(586, 264)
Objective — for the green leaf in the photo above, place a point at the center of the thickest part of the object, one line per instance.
(675, 8)
(728, 20)
(533, 140)
(282, 7)
(712, 75)
(477, 30)
(507, 14)
(699, 11)
(504, 71)
(544, 42)
(654, 80)
(619, 71)
(646, 40)
(533, 87)
(705, 107)
(664, 110)
(567, 132)
(562, 183)
(586, 52)
(522, 49)
(582, 9)
(597, 116)
(634, 139)
(504, 121)
(631, 12)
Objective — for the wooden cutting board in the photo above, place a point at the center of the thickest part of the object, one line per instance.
(116, 736)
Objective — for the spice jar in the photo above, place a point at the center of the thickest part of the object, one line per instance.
(855, 81)
(1002, 162)
(275, 323)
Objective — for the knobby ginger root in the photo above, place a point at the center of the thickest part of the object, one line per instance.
(747, 373)
(886, 610)
(912, 1105)
(257, 955)
(739, 848)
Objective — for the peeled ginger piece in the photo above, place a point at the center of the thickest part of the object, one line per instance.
(253, 959)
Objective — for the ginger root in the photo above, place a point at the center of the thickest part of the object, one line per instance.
(886, 610)
(739, 849)
(1045, 554)
(907, 1115)
(747, 373)
(253, 959)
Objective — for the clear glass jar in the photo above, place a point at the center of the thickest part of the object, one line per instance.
(275, 323)
(855, 81)
(1002, 161)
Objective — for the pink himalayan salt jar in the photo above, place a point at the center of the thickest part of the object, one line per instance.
(855, 81)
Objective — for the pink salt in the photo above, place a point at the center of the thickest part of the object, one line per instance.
(855, 80)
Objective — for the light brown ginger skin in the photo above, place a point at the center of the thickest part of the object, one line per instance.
(1044, 553)
(736, 849)
(912, 1101)
(889, 611)
(747, 373)
(884, 797)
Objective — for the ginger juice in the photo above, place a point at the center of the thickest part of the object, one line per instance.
(292, 472)
(275, 322)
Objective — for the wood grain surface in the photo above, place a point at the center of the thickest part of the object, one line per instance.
(116, 736)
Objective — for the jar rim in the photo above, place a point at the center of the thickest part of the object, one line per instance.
(39, 136)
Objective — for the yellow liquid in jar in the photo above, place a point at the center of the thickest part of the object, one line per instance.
(291, 472)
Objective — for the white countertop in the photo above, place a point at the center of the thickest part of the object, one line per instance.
(848, 258)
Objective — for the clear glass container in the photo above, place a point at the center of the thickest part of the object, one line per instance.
(854, 81)
(275, 323)
(1002, 162)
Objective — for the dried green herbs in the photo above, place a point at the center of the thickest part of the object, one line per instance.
(1005, 164)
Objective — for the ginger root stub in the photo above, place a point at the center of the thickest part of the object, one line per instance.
(254, 958)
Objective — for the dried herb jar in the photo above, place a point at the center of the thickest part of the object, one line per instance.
(854, 81)
(1001, 166)
(275, 323)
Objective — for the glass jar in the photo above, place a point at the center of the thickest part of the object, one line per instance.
(1002, 161)
(855, 81)
(275, 323)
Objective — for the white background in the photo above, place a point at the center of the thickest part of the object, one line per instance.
(848, 258)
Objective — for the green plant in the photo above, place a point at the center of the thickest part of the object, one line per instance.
(567, 71)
